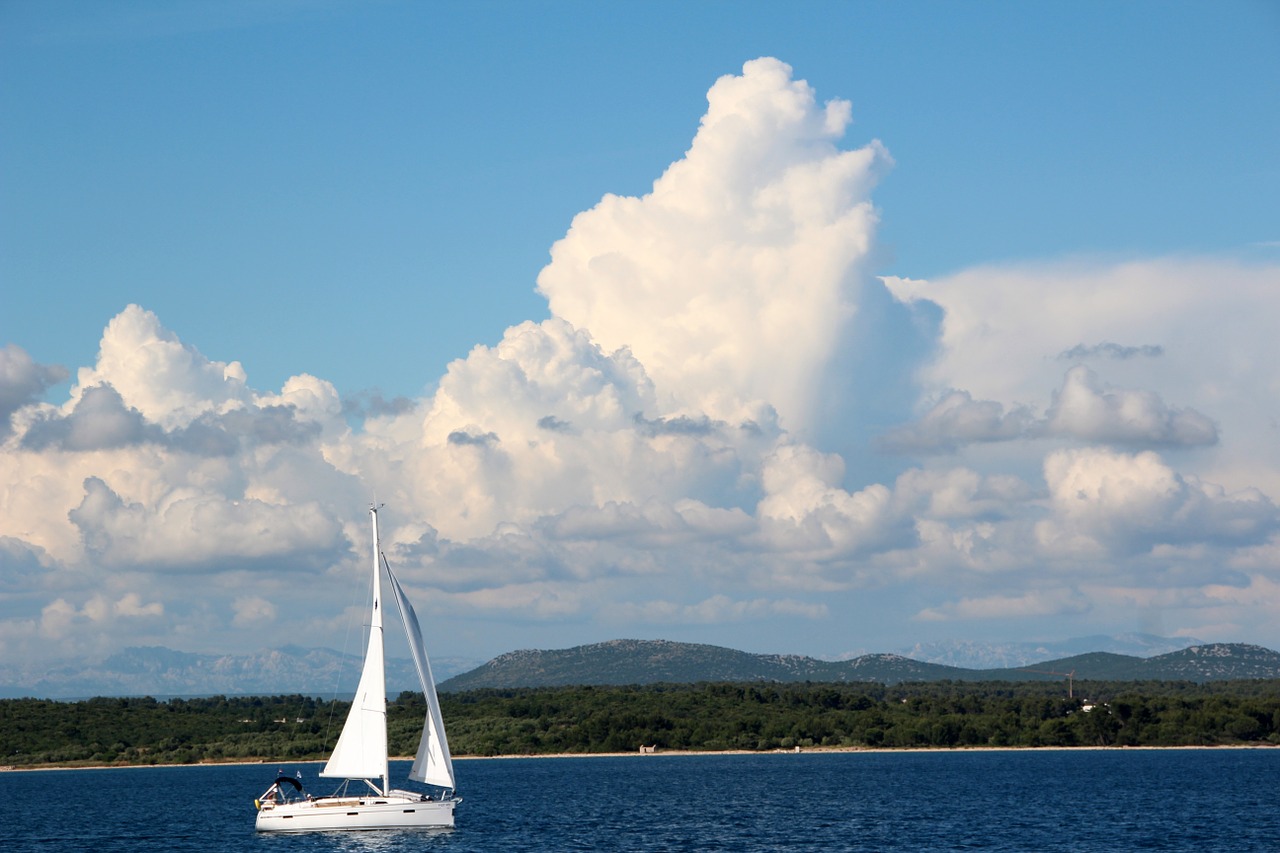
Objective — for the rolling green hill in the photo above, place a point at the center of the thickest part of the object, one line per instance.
(619, 662)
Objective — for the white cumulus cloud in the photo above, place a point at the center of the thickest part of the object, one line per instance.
(1085, 409)
(22, 381)
(733, 280)
(1113, 501)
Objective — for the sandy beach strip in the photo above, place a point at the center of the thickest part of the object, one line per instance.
(812, 750)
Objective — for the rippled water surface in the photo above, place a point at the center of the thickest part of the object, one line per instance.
(1087, 800)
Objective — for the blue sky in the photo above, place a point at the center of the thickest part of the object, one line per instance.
(363, 193)
(394, 173)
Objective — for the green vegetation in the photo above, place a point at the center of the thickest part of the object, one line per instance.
(758, 716)
(179, 731)
(922, 714)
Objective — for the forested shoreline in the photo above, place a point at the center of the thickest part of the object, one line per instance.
(692, 717)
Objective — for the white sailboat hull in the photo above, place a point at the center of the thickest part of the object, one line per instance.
(345, 813)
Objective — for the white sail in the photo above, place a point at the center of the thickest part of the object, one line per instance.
(361, 751)
(433, 763)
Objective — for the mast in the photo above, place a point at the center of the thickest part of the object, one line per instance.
(375, 635)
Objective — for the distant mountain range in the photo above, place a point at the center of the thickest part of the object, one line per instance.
(161, 672)
(650, 661)
(978, 655)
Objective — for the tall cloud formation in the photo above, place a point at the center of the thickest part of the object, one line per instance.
(660, 451)
(733, 281)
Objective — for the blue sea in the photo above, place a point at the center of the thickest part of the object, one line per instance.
(1076, 800)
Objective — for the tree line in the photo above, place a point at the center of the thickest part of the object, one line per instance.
(756, 716)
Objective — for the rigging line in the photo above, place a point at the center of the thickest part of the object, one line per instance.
(404, 620)
(400, 610)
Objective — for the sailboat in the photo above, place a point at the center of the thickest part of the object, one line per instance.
(360, 758)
